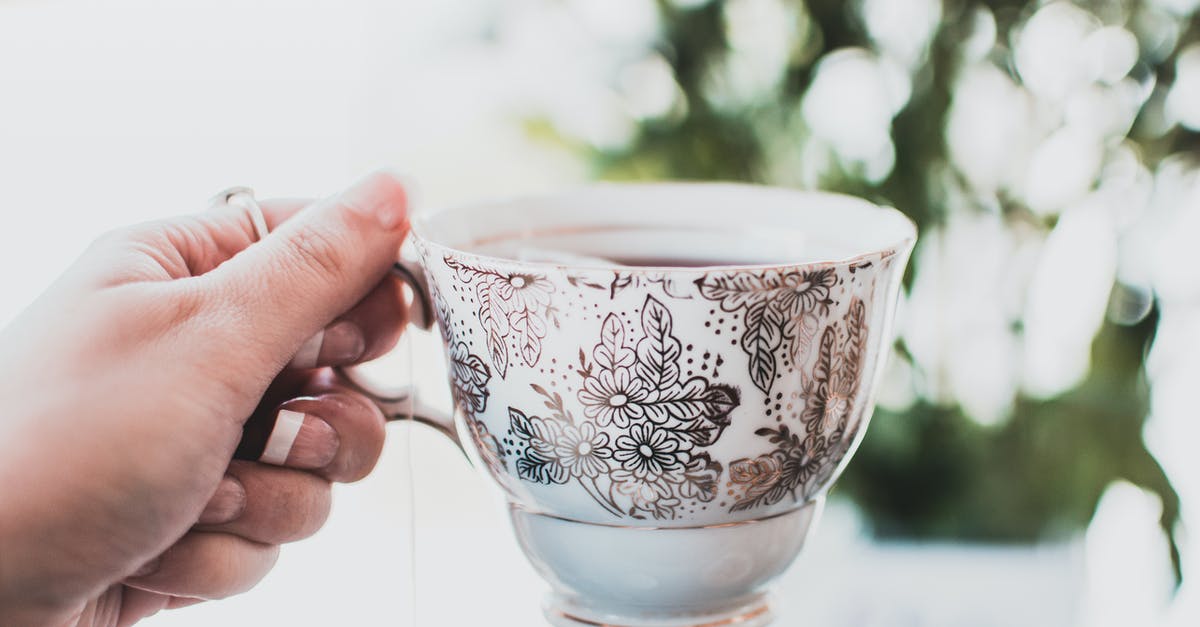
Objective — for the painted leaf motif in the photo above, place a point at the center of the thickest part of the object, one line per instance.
(539, 464)
(701, 478)
(497, 351)
(855, 345)
(539, 470)
(530, 331)
(679, 404)
(495, 324)
(802, 330)
(612, 353)
(823, 369)
(735, 291)
(520, 423)
(658, 352)
(762, 336)
(470, 377)
(719, 401)
(441, 311)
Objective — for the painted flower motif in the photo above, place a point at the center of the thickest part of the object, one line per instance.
(646, 493)
(583, 450)
(613, 397)
(527, 292)
(837, 409)
(638, 450)
(806, 291)
(763, 470)
(648, 452)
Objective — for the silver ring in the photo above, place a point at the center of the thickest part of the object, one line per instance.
(243, 197)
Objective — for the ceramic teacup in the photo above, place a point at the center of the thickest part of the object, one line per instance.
(664, 379)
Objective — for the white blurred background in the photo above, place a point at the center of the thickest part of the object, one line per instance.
(128, 110)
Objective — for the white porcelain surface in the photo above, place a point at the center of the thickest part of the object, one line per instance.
(664, 576)
(622, 407)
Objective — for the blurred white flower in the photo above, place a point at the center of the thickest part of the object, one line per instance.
(850, 104)
(1126, 184)
(1128, 579)
(1105, 111)
(1178, 7)
(759, 34)
(959, 320)
(901, 29)
(988, 127)
(557, 55)
(1157, 31)
(1183, 101)
(1109, 53)
(1068, 297)
(648, 87)
(1176, 208)
(1049, 51)
(982, 39)
(1062, 169)
(618, 25)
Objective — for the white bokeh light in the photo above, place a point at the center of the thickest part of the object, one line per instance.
(988, 130)
(1109, 53)
(1128, 579)
(1068, 297)
(1176, 206)
(648, 87)
(1049, 50)
(959, 319)
(1178, 7)
(1183, 101)
(1062, 169)
(850, 104)
(901, 29)
(759, 34)
(982, 38)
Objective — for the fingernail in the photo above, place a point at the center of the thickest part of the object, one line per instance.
(149, 568)
(300, 441)
(339, 343)
(226, 504)
(343, 343)
(381, 196)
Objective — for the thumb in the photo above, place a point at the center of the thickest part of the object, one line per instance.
(315, 266)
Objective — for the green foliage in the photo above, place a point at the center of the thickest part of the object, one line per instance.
(929, 471)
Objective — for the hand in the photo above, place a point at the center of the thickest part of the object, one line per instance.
(129, 385)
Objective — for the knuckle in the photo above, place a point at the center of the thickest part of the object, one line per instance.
(318, 250)
(305, 509)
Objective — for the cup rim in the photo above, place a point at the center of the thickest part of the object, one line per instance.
(904, 244)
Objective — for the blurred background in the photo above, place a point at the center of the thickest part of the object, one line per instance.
(1032, 458)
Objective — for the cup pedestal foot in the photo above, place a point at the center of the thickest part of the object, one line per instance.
(563, 612)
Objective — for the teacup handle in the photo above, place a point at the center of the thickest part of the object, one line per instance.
(403, 402)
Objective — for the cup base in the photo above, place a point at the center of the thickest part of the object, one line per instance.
(754, 612)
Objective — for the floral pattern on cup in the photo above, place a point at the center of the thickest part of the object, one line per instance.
(635, 419)
(625, 279)
(802, 463)
(778, 308)
(655, 464)
(469, 377)
(510, 304)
